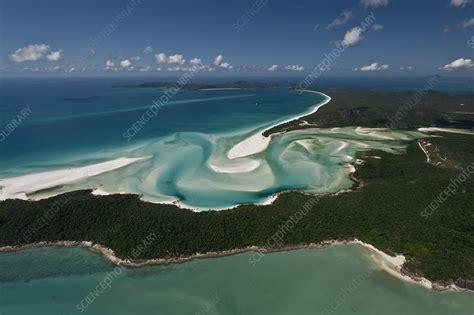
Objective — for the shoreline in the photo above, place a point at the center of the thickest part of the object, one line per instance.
(20, 186)
(257, 142)
(390, 264)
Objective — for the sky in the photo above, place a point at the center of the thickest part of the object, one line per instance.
(269, 37)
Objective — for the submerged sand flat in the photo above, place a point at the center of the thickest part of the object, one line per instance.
(195, 170)
(218, 170)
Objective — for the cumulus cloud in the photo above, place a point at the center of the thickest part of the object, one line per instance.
(218, 60)
(373, 3)
(176, 59)
(30, 53)
(459, 64)
(145, 69)
(294, 68)
(273, 68)
(226, 65)
(459, 3)
(195, 61)
(160, 58)
(344, 17)
(377, 27)
(372, 67)
(467, 23)
(109, 64)
(54, 55)
(125, 63)
(136, 58)
(353, 36)
(147, 50)
(406, 68)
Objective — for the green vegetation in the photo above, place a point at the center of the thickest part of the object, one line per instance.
(390, 109)
(385, 211)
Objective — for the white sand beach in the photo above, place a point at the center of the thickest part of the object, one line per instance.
(258, 142)
(19, 187)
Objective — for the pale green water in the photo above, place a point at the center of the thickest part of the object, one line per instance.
(337, 280)
(194, 169)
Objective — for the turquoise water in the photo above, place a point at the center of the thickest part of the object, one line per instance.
(78, 125)
(337, 280)
(183, 152)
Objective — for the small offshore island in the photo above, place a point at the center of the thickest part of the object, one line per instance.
(386, 207)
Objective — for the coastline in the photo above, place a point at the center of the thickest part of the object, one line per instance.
(258, 142)
(390, 264)
(19, 187)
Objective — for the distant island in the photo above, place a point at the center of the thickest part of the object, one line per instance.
(202, 86)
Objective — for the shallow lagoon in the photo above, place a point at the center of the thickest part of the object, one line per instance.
(184, 149)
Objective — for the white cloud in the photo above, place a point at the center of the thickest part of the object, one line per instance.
(294, 68)
(467, 23)
(109, 64)
(54, 55)
(344, 17)
(459, 64)
(35, 69)
(377, 27)
(195, 61)
(353, 36)
(459, 3)
(125, 63)
(160, 58)
(179, 68)
(178, 59)
(373, 3)
(147, 50)
(218, 60)
(372, 67)
(406, 68)
(145, 69)
(273, 68)
(136, 58)
(29, 53)
(226, 65)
